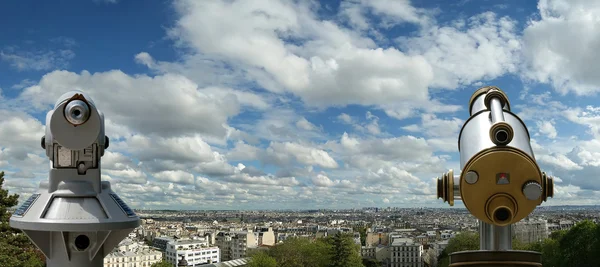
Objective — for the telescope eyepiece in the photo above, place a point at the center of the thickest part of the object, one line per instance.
(77, 112)
(501, 133)
(501, 136)
(502, 214)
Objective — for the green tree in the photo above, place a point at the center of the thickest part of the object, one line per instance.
(578, 245)
(371, 263)
(363, 234)
(162, 263)
(551, 253)
(262, 259)
(300, 252)
(460, 242)
(345, 253)
(15, 248)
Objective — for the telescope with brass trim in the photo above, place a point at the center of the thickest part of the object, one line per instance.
(500, 183)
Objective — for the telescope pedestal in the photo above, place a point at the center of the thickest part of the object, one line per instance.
(491, 258)
(495, 243)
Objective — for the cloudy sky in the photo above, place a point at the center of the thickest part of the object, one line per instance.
(272, 104)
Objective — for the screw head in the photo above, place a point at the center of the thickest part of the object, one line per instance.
(471, 177)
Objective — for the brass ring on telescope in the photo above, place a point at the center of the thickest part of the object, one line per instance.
(501, 126)
(501, 201)
(485, 90)
(450, 187)
(495, 93)
(547, 186)
(550, 187)
(445, 187)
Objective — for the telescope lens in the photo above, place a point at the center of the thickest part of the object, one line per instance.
(77, 112)
(501, 136)
(502, 214)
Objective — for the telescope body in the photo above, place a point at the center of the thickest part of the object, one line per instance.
(75, 219)
(500, 182)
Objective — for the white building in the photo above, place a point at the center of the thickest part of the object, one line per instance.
(405, 253)
(195, 252)
(134, 258)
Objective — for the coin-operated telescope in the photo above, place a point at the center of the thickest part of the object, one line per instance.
(500, 183)
(75, 219)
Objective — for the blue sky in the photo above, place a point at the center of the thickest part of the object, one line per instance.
(327, 105)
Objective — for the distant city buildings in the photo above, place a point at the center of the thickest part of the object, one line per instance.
(395, 236)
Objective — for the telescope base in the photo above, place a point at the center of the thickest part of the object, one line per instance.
(491, 258)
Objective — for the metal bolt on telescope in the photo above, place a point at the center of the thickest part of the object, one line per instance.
(500, 183)
(75, 219)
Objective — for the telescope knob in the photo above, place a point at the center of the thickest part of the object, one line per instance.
(532, 190)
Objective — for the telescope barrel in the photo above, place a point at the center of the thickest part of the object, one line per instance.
(500, 182)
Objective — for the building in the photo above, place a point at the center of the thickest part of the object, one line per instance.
(560, 225)
(223, 242)
(367, 252)
(375, 239)
(241, 241)
(133, 258)
(266, 236)
(234, 245)
(195, 252)
(530, 231)
(405, 253)
(160, 243)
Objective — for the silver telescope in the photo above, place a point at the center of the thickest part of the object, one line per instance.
(500, 182)
(75, 219)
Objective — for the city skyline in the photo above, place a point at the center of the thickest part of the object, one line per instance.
(286, 105)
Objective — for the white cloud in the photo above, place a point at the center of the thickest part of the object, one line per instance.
(333, 66)
(559, 161)
(304, 124)
(283, 153)
(345, 118)
(322, 180)
(481, 48)
(588, 116)
(547, 128)
(243, 151)
(168, 104)
(38, 60)
(552, 56)
(177, 176)
(361, 13)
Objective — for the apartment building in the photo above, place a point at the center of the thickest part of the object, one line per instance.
(195, 252)
(234, 245)
(405, 253)
(134, 258)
